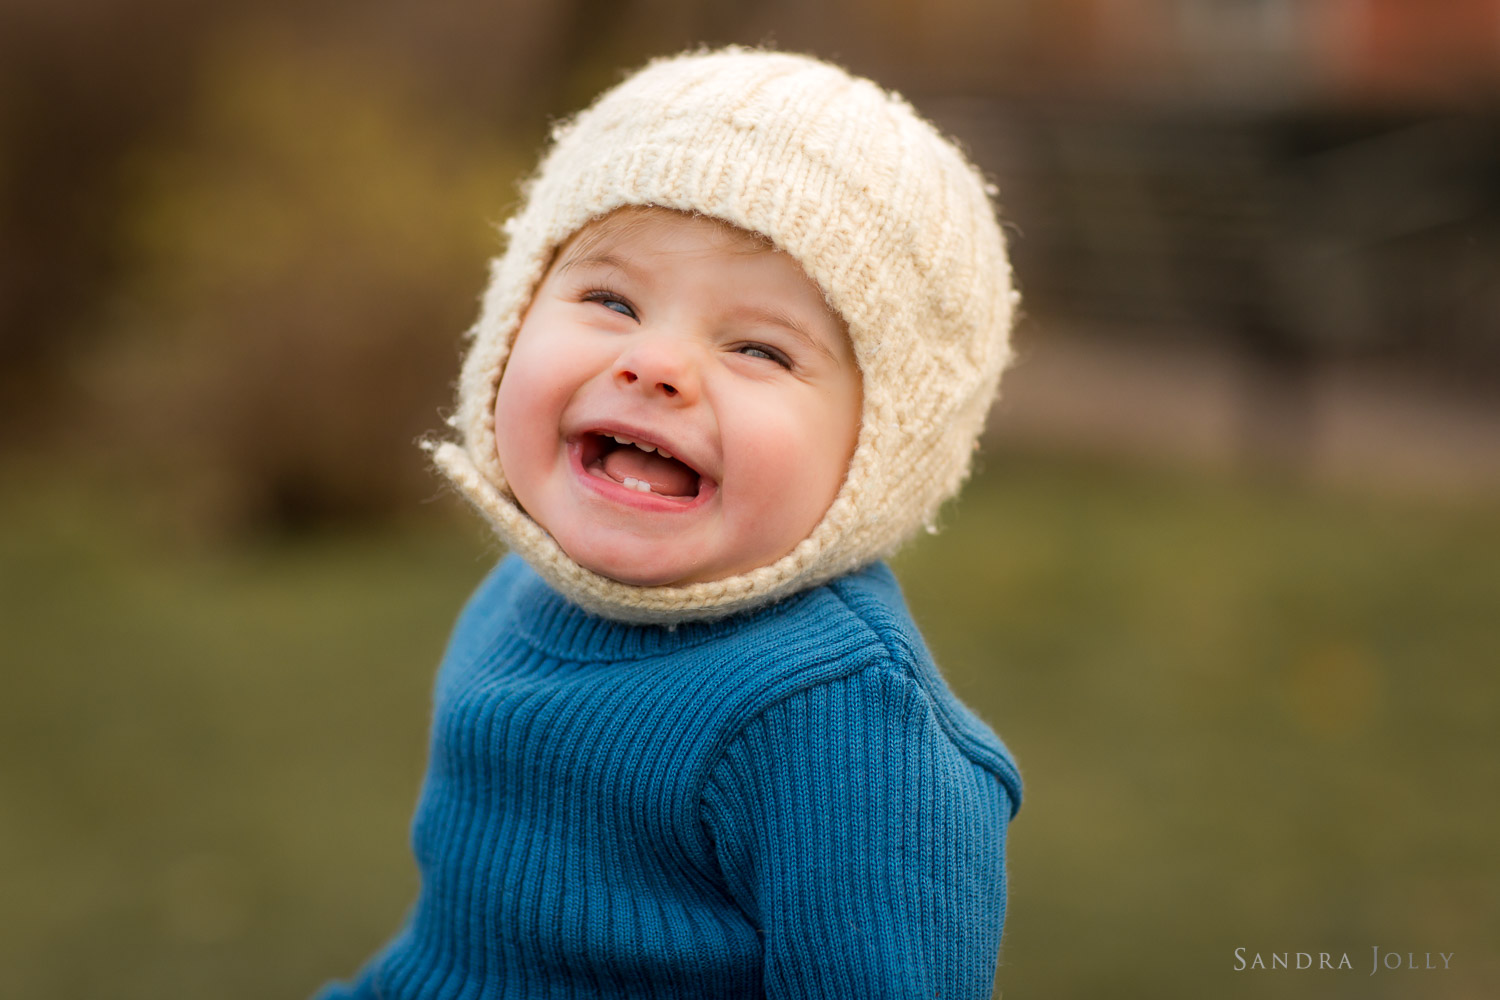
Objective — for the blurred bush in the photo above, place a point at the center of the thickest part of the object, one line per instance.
(305, 255)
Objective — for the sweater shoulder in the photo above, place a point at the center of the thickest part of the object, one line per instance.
(861, 623)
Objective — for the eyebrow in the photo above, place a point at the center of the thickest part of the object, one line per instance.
(603, 259)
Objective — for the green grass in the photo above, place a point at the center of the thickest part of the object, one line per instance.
(1248, 715)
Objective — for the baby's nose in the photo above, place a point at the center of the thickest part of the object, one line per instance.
(661, 368)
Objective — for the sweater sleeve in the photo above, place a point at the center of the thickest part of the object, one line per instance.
(864, 846)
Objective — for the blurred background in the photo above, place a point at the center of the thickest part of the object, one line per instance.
(1225, 581)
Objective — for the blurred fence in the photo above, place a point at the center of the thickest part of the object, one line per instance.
(1294, 236)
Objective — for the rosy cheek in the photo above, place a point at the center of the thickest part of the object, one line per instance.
(511, 425)
(776, 468)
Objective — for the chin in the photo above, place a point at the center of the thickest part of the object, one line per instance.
(636, 572)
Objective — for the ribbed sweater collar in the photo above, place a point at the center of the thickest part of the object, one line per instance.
(553, 625)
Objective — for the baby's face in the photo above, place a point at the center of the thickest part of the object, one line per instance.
(679, 405)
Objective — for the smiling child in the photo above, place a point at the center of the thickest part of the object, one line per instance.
(687, 741)
(681, 404)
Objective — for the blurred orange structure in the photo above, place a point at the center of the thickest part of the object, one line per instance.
(1303, 50)
(1401, 50)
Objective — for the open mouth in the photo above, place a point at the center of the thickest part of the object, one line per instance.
(639, 466)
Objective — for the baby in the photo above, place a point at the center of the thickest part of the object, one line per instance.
(687, 741)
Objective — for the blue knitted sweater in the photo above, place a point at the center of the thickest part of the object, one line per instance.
(788, 803)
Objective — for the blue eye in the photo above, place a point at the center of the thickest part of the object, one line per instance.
(612, 302)
(769, 353)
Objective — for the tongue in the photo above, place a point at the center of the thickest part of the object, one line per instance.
(667, 476)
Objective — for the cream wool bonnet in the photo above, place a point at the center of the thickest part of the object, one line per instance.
(887, 216)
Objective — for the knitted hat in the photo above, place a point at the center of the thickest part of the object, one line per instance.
(886, 215)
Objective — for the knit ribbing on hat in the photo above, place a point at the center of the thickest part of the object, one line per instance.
(887, 216)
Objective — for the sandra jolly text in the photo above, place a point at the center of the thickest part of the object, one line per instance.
(1392, 961)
